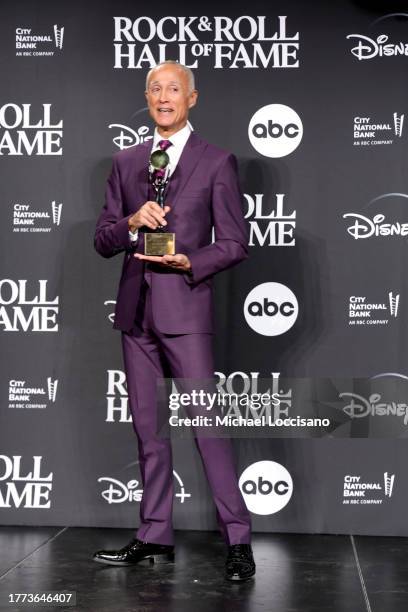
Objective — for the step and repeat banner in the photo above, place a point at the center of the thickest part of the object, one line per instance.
(312, 99)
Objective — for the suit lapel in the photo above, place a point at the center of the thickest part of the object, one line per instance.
(189, 159)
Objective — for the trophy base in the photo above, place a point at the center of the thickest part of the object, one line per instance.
(160, 243)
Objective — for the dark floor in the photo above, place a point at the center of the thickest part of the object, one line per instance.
(295, 573)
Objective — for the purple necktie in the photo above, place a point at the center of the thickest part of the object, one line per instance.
(163, 144)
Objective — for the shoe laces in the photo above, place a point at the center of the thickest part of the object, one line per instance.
(133, 544)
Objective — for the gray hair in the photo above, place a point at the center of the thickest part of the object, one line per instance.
(187, 71)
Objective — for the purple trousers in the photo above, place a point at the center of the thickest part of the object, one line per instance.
(149, 355)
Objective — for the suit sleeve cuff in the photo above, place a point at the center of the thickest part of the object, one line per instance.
(121, 234)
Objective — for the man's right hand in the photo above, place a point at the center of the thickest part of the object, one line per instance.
(150, 215)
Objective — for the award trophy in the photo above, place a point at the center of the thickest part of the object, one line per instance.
(159, 242)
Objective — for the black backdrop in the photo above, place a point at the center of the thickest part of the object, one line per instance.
(68, 454)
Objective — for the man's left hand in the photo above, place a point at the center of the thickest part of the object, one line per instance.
(176, 262)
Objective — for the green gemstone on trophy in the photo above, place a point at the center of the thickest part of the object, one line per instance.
(159, 159)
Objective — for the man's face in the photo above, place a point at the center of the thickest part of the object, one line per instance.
(168, 98)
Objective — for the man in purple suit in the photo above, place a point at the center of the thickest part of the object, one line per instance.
(164, 305)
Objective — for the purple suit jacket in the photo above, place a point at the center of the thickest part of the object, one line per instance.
(203, 192)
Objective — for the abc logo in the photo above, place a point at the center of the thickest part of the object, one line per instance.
(266, 486)
(275, 130)
(271, 309)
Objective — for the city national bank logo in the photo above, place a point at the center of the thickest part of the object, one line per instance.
(220, 41)
(371, 132)
(27, 131)
(374, 226)
(27, 308)
(26, 220)
(275, 130)
(271, 309)
(358, 491)
(369, 47)
(23, 395)
(118, 492)
(363, 312)
(22, 489)
(29, 43)
(266, 487)
(269, 226)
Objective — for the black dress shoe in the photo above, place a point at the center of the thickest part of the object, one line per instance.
(135, 552)
(240, 564)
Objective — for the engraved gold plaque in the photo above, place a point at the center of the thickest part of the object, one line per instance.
(160, 243)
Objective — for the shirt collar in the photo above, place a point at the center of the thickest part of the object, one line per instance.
(178, 139)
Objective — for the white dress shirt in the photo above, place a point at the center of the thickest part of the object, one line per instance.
(178, 141)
